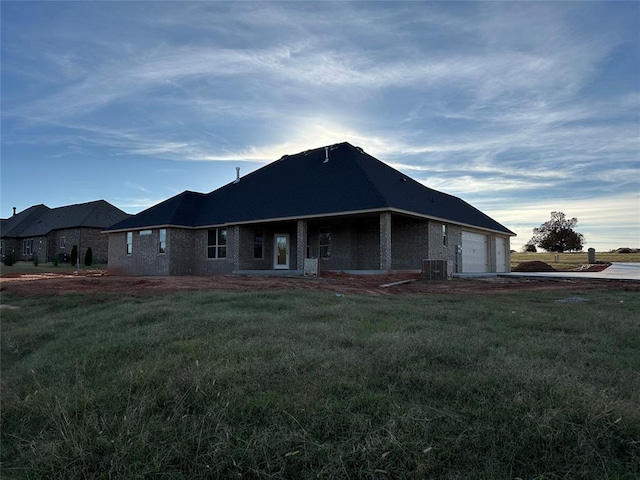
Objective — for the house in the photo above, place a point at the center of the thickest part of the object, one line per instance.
(336, 205)
(51, 233)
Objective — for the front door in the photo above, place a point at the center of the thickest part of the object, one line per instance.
(281, 251)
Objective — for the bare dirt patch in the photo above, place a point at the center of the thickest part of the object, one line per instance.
(97, 282)
(533, 266)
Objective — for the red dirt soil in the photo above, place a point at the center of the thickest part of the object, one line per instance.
(98, 282)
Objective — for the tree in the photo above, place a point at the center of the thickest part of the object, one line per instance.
(74, 255)
(558, 234)
(88, 257)
(529, 247)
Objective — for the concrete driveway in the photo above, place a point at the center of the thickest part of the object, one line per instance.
(617, 271)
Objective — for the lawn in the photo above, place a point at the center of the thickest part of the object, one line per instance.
(568, 261)
(312, 385)
(46, 267)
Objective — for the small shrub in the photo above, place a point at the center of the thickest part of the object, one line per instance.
(55, 261)
(10, 259)
(74, 255)
(35, 260)
(88, 257)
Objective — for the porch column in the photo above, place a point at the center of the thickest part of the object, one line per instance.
(235, 238)
(385, 241)
(301, 244)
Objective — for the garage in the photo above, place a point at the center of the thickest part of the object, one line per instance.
(501, 255)
(475, 254)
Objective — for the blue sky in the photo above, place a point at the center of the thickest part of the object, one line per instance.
(518, 108)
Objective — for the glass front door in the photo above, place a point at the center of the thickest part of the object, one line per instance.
(281, 251)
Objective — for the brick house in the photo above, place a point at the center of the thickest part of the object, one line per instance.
(50, 233)
(336, 206)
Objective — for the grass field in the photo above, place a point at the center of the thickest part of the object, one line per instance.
(48, 267)
(310, 385)
(568, 261)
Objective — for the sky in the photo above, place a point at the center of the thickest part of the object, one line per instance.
(518, 108)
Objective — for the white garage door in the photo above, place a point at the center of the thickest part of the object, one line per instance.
(475, 255)
(501, 255)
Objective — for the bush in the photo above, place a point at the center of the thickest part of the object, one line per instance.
(55, 261)
(35, 260)
(10, 259)
(88, 257)
(74, 255)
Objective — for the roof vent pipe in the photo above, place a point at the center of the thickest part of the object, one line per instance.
(14, 210)
(237, 175)
(326, 155)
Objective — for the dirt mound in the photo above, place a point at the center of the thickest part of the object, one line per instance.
(534, 266)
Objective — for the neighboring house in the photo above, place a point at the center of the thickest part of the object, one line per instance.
(336, 204)
(51, 233)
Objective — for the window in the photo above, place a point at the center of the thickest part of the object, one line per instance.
(258, 244)
(63, 243)
(1, 248)
(325, 243)
(142, 233)
(129, 243)
(27, 247)
(217, 243)
(445, 231)
(162, 240)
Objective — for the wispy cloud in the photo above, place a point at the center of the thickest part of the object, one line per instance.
(134, 186)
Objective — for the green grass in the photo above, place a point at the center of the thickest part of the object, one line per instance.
(308, 385)
(568, 261)
(47, 267)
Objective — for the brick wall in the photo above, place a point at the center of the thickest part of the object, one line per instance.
(355, 245)
(213, 266)
(437, 249)
(181, 251)
(409, 243)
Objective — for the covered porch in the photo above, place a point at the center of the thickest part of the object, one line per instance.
(359, 243)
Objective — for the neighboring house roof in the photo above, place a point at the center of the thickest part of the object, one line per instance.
(305, 185)
(14, 226)
(39, 220)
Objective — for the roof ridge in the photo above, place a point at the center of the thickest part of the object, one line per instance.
(366, 173)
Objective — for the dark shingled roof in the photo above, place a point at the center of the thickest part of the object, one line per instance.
(180, 210)
(13, 226)
(39, 220)
(304, 185)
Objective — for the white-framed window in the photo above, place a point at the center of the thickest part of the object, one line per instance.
(63, 243)
(1, 248)
(129, 243)
(258, 244)
(324, 242)
(162, 240)
(27, 247)
(217, 243)
(143, 233)
(445, 234)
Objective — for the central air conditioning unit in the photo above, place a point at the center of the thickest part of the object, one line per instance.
(437, 269)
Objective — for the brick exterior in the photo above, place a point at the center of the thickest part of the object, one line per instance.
(438, 250)
(409, 243)
(386, 261)
(367, 242)
(48, 248)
